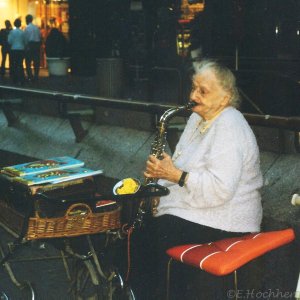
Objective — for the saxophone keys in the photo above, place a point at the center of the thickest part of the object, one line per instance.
(155, 203)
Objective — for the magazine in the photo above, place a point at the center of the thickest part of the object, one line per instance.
(56, 176)
(41, 166)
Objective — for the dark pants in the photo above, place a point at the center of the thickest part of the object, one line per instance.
(149, 260)
(5, 54)
(32, 55)
(16, 61)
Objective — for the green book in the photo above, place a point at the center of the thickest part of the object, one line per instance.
(41, 166)
(56, 176)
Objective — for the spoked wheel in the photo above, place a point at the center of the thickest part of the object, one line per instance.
(27, 291)
(86, 284)
(3, 296)
(124, 294)
(89, 285)
(119, 290)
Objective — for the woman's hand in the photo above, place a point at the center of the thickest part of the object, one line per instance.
(162, 169)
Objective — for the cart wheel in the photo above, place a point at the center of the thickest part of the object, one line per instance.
(120, 291)
(123, 294)
(89, 285)
(86, 285)
(27, 291)
(3, 296)
(129, 293)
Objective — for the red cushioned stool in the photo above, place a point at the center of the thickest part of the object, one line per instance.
(226, 256)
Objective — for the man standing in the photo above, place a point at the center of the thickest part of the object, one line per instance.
(5, 45)
(33, 44)
(16, 40)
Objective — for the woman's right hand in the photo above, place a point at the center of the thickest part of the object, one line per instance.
(162, 169)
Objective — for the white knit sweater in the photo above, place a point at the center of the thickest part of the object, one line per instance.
(224, 175)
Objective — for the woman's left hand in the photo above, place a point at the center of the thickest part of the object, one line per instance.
(162, 169)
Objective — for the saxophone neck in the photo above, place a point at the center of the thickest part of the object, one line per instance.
(168, 114)
(172, 111)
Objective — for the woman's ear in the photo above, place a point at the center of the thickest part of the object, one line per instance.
(226, 99)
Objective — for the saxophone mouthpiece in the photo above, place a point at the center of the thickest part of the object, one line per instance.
(191, 104)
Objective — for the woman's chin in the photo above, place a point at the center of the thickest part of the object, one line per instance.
(197, 111)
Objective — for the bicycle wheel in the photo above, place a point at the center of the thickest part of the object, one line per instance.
(119, 290)
(27, 291)
(124, 294)
(3, 296)
(86, 285)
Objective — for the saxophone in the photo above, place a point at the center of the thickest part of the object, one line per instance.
(159, 144)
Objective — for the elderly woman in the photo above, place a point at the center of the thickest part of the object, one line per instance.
(214, 175)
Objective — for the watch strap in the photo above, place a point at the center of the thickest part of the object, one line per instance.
(182, 178)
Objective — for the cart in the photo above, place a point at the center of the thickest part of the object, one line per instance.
(85, 227)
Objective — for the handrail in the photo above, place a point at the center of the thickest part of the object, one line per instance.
(91, 100)
(288, 123)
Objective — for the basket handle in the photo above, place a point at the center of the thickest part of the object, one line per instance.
(72, 210)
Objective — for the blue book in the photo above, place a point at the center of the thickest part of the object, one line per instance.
(56, 176)
(41, 166)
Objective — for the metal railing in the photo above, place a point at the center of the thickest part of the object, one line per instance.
(287, 123)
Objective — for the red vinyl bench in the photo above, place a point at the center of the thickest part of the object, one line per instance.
(228, 255)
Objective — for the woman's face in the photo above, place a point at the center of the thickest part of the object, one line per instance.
(208, 94)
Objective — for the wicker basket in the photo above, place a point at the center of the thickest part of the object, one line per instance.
(78, 220)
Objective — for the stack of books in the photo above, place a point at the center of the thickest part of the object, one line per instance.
(53, 170)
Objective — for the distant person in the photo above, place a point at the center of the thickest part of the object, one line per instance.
(16, 40)
(5, 45)
(33, 45)
(56, 44)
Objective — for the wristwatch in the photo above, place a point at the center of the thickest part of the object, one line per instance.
(182, 178)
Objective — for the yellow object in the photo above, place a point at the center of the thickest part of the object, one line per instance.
(129, 186)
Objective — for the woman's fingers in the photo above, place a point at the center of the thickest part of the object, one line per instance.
(156, 168)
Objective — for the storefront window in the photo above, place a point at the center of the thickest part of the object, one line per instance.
(189, 10)
(51, 13)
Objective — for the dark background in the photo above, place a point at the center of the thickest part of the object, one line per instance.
(264, 34)
(97, 27)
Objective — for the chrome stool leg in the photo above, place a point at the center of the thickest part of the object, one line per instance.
(168, 279)
(169, 276)
(235, 285)
(297, 293)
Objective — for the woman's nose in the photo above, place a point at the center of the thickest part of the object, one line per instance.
(193, 94)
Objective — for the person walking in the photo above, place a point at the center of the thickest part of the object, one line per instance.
(32, 52)
(16, 40)
(5, 45)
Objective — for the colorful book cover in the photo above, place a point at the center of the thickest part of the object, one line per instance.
(56, 176)
(41, 166)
